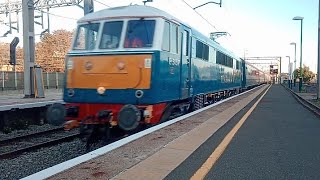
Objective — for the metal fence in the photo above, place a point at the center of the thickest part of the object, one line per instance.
(306, 87)
(14, 80)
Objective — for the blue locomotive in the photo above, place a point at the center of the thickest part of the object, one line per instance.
(137, 65)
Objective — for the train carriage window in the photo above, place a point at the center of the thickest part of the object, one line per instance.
(86, 36)
(174, 39)
(111, 35)
(139, 33)
(166, 37)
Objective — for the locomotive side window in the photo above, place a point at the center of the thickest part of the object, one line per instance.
(212, 55)
(86, 36)
(229, 62)
(202, 51)
(199, 47)
(224, 59)
(174, 39)
(166, 37)
(111, 35)
(219, 57)
(238, 65)
(139, 33)
(205, 52)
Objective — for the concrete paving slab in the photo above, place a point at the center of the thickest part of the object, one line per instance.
(203, 132)
(119, 160)
(15, 99)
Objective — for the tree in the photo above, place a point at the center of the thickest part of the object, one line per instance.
(307, 75)
(4, 53)
(5, 57)
(51, 51)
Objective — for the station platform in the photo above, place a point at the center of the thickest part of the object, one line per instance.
(15, 99)
(261, 134)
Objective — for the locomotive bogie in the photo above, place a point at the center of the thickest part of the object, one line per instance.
(114, 114)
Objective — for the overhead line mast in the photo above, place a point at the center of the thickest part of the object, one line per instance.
(27, 7)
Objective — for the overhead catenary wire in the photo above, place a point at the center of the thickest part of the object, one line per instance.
(101, 3)
(74, 18)
(61, 16)
(200, 15)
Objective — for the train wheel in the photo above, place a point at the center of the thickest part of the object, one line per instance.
(166, 114)
(55, 114)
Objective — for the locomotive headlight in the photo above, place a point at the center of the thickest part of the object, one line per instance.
(101, 90)
(146, 113)
(69, 64)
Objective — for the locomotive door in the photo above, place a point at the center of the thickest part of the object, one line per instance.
(185, 64)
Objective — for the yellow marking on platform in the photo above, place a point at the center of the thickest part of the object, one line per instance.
(205, 168)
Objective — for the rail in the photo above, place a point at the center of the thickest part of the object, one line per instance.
(13, 147)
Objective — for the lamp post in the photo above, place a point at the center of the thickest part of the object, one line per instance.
(289, 72)
(295, 60)
(280, 71)
(318, 69)
(300, 78)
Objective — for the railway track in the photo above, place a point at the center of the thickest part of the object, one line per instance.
(13, 147)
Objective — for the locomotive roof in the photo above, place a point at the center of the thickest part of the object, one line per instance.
(148, 11)
(127, 11)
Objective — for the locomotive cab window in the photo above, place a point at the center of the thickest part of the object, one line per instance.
(166, 37)
(86, 36)
(139, 34)
(111, 34)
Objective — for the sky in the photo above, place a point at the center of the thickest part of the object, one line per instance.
(257, 28)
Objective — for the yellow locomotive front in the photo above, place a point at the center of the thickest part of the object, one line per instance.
(109, 71)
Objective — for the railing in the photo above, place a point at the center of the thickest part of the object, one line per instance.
(306, 87)
(14, 80)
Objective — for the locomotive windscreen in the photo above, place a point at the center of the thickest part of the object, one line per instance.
(86, 36)
(139, 33)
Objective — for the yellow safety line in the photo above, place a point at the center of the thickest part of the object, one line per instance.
(205, 168)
